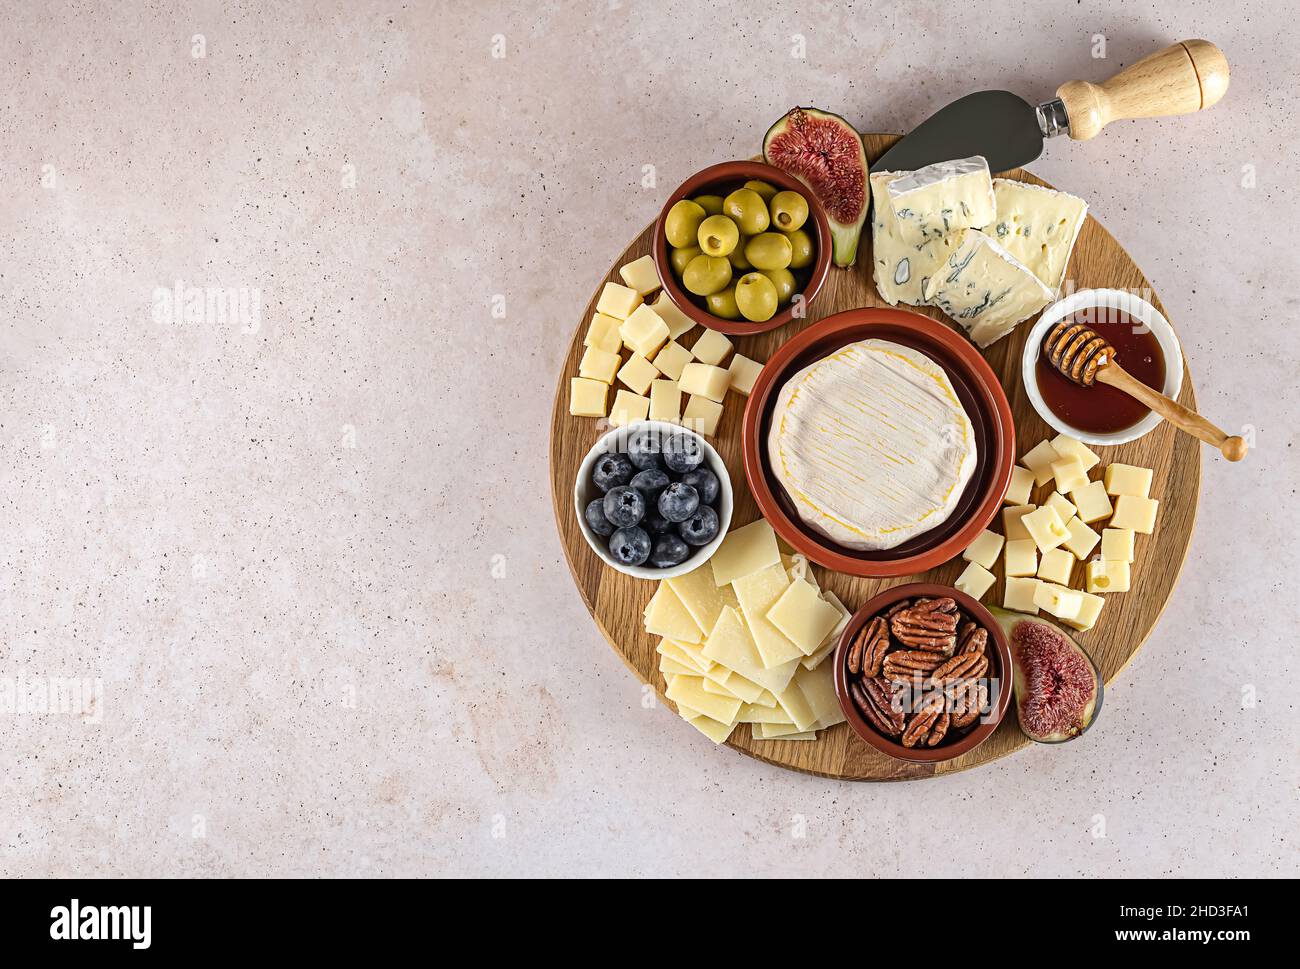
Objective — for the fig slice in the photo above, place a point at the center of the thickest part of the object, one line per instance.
(826, 153)
(1057, 686)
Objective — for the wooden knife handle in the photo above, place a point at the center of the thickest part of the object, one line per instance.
(1232, 448)
(1180, 79)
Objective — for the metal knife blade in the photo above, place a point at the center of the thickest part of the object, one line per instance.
(999, 125)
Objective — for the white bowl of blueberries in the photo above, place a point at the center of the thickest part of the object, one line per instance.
(653, 499)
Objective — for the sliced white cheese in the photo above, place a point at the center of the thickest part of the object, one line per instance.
(901, 269)
(872, 445)
(986, 289)
(1039, 226)
(935, 201)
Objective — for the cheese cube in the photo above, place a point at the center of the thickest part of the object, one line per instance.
(640, 274)
(975, 581)
(712, 347)
(1012, 526)
(618, 301)
(665, 401)
(744, 372)
(1069, 474)
(985, 289)
(1056, 566)
(1040, 460)
(671, 359)
(1082, 539)
(940, 199)
(1061, 602)
(638, 373)
(1092, 501)
(628, 407)
(598, 364)
(706, 380)
(1038, 226)
(901, 269)
(1021, 487)
(744, 551)
(1062, 504)
(679, 324)
(1088, 612)
(1136, 513)
(1019, 595)
(984, 550)
(1045, 527)
(1117, 544)
(603, 333)
(587, 398)
(1069, 447)
(1021, 557)
(702, 415)
(1125, 479)
(643, 332)
(1106, 576)
(803, 616)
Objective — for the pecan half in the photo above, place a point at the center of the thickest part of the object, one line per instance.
(973, 639)
(967, 702)
(905, 664)
(927, 624)
(876, 702)
(869, 647)
(939, 730)
(963, 666)
(925, 719)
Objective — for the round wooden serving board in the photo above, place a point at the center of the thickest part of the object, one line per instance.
(617, 601)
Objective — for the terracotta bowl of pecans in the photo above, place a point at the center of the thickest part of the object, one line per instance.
(923, 673)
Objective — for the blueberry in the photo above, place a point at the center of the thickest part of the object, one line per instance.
(612, 470)
(655, 523)
(683, 453)
(669, 550)
(643, 448)
(650, 483)
(596, 520)
(705, 482)
(677, 503)
(701, 528)
(630, 546)
(624, 506)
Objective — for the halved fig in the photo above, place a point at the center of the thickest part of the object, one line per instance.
(1058, 687)
(826, 153)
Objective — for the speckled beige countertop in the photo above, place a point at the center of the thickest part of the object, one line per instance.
(300, 545)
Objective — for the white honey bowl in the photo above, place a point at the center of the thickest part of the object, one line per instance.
(584, 491)
(1135, 307)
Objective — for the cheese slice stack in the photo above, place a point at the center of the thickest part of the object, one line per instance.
(872, 445)
(901, 269)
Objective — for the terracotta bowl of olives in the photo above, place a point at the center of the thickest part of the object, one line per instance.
(742, 247)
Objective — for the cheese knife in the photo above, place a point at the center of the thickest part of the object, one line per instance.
(1009, 131)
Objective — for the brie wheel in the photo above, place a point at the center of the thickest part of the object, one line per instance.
(872, 445)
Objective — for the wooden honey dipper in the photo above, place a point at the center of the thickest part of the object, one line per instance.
(1085, 357)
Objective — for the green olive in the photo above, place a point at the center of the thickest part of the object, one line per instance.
(737, 257)
(748, 209)
(789, 211)
(718, 235)
(783, 280)
(682, 223)
(765, 189)
(712, 204)
(756, 297)
(723, 303)
(770, 250)
(801, 249)
(680, 258)
(705, 275)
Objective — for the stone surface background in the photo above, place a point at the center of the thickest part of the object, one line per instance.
(308, 551)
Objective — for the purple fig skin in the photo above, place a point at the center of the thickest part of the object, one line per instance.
(1011, 623)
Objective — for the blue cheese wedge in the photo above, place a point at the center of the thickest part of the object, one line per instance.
(935, 201)
(872, 445)
(1038, 226)
(985, 288)
(901, 269)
